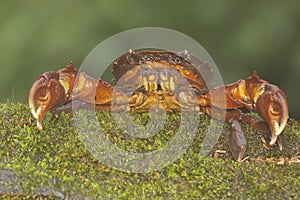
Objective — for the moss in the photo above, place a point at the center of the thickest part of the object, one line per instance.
(55, 163)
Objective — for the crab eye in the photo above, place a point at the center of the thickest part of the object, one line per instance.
(203, 92)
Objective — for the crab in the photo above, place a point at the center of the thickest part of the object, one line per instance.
(171, 82)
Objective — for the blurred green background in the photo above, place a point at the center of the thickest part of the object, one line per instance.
(39, 36)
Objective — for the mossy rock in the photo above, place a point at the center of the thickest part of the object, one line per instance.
(55, 164)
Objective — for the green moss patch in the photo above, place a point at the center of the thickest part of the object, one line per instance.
(54, 163)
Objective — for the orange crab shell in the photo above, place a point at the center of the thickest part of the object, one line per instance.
(131, 65)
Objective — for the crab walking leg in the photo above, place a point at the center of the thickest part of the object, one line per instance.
(261, 126)
(237, 141)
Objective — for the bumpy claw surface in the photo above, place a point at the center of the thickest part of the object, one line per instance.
(54, 89)
(46, 93)
(272, 106)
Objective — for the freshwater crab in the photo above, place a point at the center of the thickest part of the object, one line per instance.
(149, 77)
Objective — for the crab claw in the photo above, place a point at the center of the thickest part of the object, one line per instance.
(45, 93)
(272, 106)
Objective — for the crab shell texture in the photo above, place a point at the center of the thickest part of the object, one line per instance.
(161, 77)
(160, 66)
